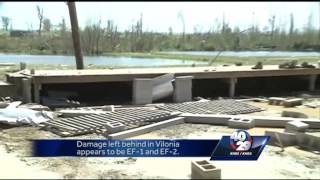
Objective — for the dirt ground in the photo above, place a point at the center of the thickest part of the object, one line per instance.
(16, 162)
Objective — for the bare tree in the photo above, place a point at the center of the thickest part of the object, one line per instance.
(40, 17)
(75, 34)
(47, 25)
(5, 22)
(272, 24)
(181, 17)
(291, 24)
(63, 27)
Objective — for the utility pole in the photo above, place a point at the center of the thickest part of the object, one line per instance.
(75, 34)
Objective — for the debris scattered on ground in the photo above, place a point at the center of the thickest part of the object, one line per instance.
(307, 65)
(35, 106)
(18, 116)
(96, 123)
(258, 65)
(289, 65)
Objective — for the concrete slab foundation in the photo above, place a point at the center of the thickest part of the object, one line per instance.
(204, 170)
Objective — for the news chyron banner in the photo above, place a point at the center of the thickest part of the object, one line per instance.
(239, 146)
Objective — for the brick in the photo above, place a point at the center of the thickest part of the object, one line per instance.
(241, 123)
(204, 170)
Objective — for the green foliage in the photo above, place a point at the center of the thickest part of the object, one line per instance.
(97, 40)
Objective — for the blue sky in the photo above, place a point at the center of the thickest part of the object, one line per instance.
(159, 16)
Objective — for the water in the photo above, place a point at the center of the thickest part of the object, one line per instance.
(249, 53)
(94, 60)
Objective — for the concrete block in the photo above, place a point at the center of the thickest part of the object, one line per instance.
(281, 138)
(204, 170)
(142, 91)
(217, 119)
(110, 108)
(241, 123)
(276, 100)
(146, 129)
(308, 141)
(293, 114)
(114, 127)
(182, 89)
(296, 126)
(292, 102)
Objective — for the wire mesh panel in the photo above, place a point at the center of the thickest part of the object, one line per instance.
(227, 106)
(93, 123)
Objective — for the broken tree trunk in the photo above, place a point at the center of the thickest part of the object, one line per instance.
(75, 35)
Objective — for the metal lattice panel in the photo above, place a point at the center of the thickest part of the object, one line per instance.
(91, 123)
(227, 106)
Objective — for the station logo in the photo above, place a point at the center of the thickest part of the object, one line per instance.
(240, 143)
(240, 146)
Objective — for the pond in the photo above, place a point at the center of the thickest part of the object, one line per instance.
(93, 60)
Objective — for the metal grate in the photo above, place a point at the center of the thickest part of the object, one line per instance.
(95, 123)
(227, 106)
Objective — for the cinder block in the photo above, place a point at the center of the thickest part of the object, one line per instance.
(293, 114)
(276, 100)
(204, 170)
(142, 91)
(281, 138)
(182, 89)
(296, 126)
(292, 102)
(241, 123)
(114, 127)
